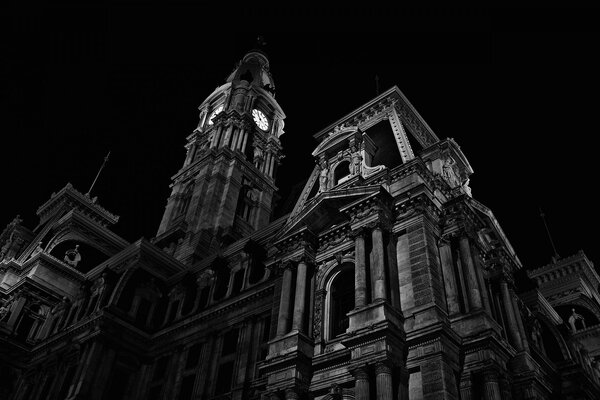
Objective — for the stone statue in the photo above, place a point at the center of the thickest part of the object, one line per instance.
(449, 172)
(323, 178)
(536, 334)
(356, 167)
(574, 318)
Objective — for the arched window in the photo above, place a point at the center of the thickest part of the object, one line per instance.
(222, 283)
(341, 300)
(246, 200)
(186, 198)
(341, 173)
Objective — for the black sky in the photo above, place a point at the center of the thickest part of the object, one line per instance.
(517, 89)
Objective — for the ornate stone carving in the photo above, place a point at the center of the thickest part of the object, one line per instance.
(72, 256)
(318, 311)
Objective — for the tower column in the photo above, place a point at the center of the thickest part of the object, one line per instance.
(243, 148)
(271, 164)
(361, 384)
(284, 302)
(383, 378)
(513, 327)
(519, 322)
(378, 268)
(449, 278)
(241, 138)
(491, 386)
(300, 298)
(360, 270)
(472, 281)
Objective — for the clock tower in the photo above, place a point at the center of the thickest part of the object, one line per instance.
(224, 191)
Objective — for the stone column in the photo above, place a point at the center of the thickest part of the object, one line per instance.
(472, 281)
(491, 386)
(361, 384)
(300, 298)
(449, 278)
(15, 311)
(208, 350)
(383, 379)
(517, 313)
(244, 346)
(513, 327)
(272, 165)
(243, 148)
(104, 370)
(292, 394)
(227, 136)
(284, 302)
(480, 278)
(378, 279)
(403, 377)
(360, 270)
(175, 370)
(242, 134)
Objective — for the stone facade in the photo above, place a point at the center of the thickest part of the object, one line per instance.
(387, 280)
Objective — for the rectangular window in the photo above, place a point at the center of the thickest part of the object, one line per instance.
(230, 340)
(154, 392)
(224, 378)
(187, 387)
(264, 339)
(64, 389)
(193, 356)
(160, 368)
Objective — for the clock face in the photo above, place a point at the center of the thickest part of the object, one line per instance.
(214, 113)
(260, 119)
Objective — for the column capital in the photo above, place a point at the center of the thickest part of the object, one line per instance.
(360, 372)
(378, 224)
(292, 394)
(361, 232)
(383, 367)
(303, 259)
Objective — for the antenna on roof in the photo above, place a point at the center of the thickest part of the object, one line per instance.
(98, 174)
(376, 85)
(555, 257)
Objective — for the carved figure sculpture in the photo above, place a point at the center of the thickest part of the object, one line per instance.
(574, 318)
(323, 176)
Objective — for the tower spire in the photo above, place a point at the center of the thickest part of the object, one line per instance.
(555, 257)
(98, 174)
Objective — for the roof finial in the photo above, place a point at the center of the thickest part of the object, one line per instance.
(555, 257)
(98, 174)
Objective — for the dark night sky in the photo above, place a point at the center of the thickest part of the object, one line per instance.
(520, 99)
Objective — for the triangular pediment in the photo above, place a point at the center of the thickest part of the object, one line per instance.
(323, 211)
